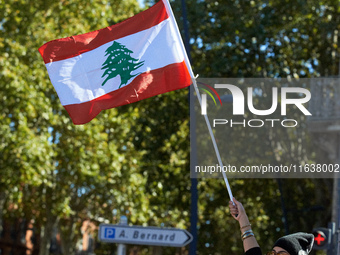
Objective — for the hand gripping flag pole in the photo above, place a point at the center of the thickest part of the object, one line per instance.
(175, 26)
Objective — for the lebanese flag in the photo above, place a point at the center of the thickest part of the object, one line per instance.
(138, 58)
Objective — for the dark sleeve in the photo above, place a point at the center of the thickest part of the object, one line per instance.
(254, 251)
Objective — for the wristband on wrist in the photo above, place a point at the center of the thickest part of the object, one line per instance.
(248, 225)
(250, 235)
(247, 234)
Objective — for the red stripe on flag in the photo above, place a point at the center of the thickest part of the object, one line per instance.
(75, 45)
(158, 81)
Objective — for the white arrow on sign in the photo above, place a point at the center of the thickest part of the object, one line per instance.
(144, 235)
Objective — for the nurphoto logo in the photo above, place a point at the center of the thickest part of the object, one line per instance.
(264, 127)
(288, 96)
(204, 96)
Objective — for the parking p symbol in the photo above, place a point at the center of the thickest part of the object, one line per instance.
(110, 232)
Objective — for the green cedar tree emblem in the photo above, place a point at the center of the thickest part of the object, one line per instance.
(119, 62)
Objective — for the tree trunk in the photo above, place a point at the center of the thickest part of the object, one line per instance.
(67, 230)
(46, 234)
(2, 204)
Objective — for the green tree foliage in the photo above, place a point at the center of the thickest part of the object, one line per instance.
(52, 171)
(264, 38)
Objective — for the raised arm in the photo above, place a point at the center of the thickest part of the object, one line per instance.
(247, 235)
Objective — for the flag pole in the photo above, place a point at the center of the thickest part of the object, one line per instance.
(187, 62)
(214, 142)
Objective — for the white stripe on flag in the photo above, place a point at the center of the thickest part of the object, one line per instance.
(78, 79)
